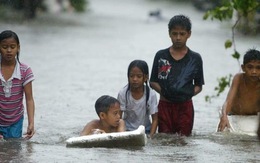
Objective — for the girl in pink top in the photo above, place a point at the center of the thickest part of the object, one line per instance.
(15, 82)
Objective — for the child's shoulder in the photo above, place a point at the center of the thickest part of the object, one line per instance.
(153, 94)
(152, 91)
(24, 66)
(94, 123)
(123, 89)
(163, 51)
(238, 77)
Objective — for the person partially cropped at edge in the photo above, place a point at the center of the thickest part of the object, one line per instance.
(177, 75)
(258, 131)
(16, 81)
(244, 94)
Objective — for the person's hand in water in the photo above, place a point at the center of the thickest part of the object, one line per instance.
(98, 131)
(224, 123)
(1, 138)
(30, 132)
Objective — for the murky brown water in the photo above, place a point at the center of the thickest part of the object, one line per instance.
(77, 58)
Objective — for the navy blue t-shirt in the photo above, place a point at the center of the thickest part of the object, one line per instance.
(177, 78)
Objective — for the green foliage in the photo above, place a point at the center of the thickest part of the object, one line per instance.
(236, 55)
(245, 6)
(79, 5)
(227, 8)
(228, 44)
(223, 82)
(244, 9)
(221, 13)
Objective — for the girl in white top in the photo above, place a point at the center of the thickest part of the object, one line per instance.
(137, 100)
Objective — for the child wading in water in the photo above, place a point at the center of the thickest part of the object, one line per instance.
(16, 80)
(244, 94)
(137, 100)
(258, 131)
(177, 75)
(108, 111)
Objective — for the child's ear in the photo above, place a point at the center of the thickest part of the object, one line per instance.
(19, 48)
(102, 115)
(243, 68)
(146, 77)
(189, 33)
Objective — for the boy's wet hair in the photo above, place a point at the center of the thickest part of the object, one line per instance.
(142, 65)
(10, 34)
(104, 102)
(251, 55)
(180, 21)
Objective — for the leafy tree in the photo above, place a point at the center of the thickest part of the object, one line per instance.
(245, 22)
(79, 5)
(29, 7)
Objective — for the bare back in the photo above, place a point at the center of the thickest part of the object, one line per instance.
(247, 98)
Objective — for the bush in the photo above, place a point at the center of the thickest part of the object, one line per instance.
(79, 5)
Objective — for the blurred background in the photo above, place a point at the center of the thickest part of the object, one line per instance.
(80, 50)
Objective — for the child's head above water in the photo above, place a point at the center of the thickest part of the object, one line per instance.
(251, 55)
(8, 34)
(142, 65)
(180, 21)
(104, 102)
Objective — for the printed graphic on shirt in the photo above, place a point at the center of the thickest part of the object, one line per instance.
(7, 88)
(130, 115)
(164, 68)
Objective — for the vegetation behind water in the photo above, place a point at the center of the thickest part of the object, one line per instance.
(28, 9)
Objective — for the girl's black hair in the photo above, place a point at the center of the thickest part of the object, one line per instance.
(142, 65)
(10, 34)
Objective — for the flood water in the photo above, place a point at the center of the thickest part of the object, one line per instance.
(76, 58)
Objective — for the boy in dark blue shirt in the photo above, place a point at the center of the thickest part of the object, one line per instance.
(177, 75)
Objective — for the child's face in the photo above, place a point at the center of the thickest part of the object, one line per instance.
(136, 78)
(252, 70)
(179, 36)
(112, 117)
(9, 49)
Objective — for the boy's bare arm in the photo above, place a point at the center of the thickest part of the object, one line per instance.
(154, 124)
(156, 87)
(30, 110)
(226, 108)
(85, 131)
(121, 127)
(197, 89)
(88, 129)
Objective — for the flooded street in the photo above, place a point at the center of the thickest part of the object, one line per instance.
(77, 58)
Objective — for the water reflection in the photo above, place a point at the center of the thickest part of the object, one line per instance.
(168, 139)
(15, 150)
(233, 139)
(77, 58)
